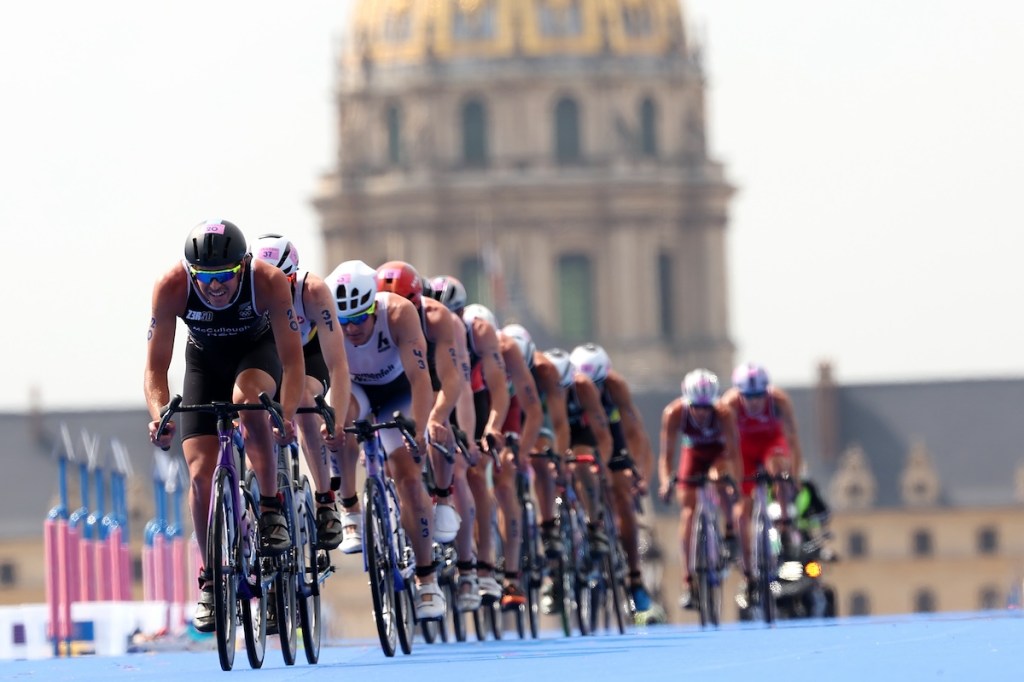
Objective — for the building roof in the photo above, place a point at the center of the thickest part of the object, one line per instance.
(409, 32)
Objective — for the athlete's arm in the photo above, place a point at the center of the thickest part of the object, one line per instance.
(788, 417)
(731, 458)
(526, 393)
(404, 323)
(597, 418)
(671, 421)
(493, 367)
(169, 295)
(439, 326)
(274, 295)
(323, 310)
(632, 425)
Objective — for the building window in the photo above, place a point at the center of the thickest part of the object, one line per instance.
(667, 299)
(858, 545)
(474, 133)
(567, 131)
(575, 298)
(394, 123)
(989, 599)
(922, 543)
(860, 604)
(924, 601)
(8, 574)
(988, 540)
(648, 128)
(473, 276)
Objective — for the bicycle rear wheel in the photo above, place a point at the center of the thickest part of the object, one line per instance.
(619, 599)
(378, 565)
(403, 563)
(530, 569)
(254, 609)
(309, 580)
(222, 544)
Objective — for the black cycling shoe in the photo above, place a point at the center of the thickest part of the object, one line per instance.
(274, 538)
(328, 528)
(551, 540)
(598, 539)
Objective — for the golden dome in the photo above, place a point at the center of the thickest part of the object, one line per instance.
(416, 31)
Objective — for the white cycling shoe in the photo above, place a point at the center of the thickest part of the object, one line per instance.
(430, 602)
(352, 532)
(489, 587)
(469, 592)
(446, 522)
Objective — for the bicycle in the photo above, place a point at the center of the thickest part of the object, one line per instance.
(488, 618)
(706, 551)
(608, 575)
(764, 552)
(302, 569)
(232, 551)
(569, 569)
(530, 565)
(445, 558)
(387, 554)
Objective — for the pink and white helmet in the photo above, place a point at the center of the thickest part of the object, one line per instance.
(750, 378)
(354, 287)
(560, 359)
(278, 251)
(592, 360)
(700, 388)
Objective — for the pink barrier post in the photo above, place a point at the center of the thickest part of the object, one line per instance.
(74, 559)
(178, 591)
(160, 568)
(148, 584)
(64, 585)
(53, 574)
(126, 572)
(111, 573)
(87, 569)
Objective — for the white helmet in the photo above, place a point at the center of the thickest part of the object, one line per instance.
(354, 286)
(750, 378)
(700, 387)
(518, 333)
(560, 359)
(278, 251)
(592, 360)
(475, 310)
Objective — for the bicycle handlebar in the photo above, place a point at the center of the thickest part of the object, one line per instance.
(220, 409)
(324, 410)
(364, 430)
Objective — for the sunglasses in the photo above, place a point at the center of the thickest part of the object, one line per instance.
(758, 394)
(358, 319)
(219, 276)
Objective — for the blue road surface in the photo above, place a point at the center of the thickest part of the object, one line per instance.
(950, 646)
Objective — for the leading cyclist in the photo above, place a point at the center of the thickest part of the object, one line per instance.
(243, 340)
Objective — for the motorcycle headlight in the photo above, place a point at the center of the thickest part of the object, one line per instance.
(791, 570)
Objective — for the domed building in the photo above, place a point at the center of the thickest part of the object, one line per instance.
(549, 153)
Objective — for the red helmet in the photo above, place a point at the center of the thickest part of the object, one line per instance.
(401, 278)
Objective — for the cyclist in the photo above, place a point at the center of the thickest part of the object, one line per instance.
(710, 440)
(442, 331)
(323, 348)
(387, 358)
(768, 438)
(243, 340)
(628, 436)
(523, 419)
(491, 403)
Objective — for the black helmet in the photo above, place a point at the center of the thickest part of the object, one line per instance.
(215, 243)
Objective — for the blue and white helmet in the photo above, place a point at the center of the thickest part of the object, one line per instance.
(563, 365)
(700, 388)
(592, 360)
(750, 378)
(518, 333)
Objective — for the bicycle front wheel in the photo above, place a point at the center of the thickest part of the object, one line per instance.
(286, 585)
(309, 580)
(765, 567)
(529, 568)
(222, 543)
(378, 565)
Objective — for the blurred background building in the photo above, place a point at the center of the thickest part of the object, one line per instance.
(549, 153)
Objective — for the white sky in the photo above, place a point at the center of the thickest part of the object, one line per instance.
(876, 147)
